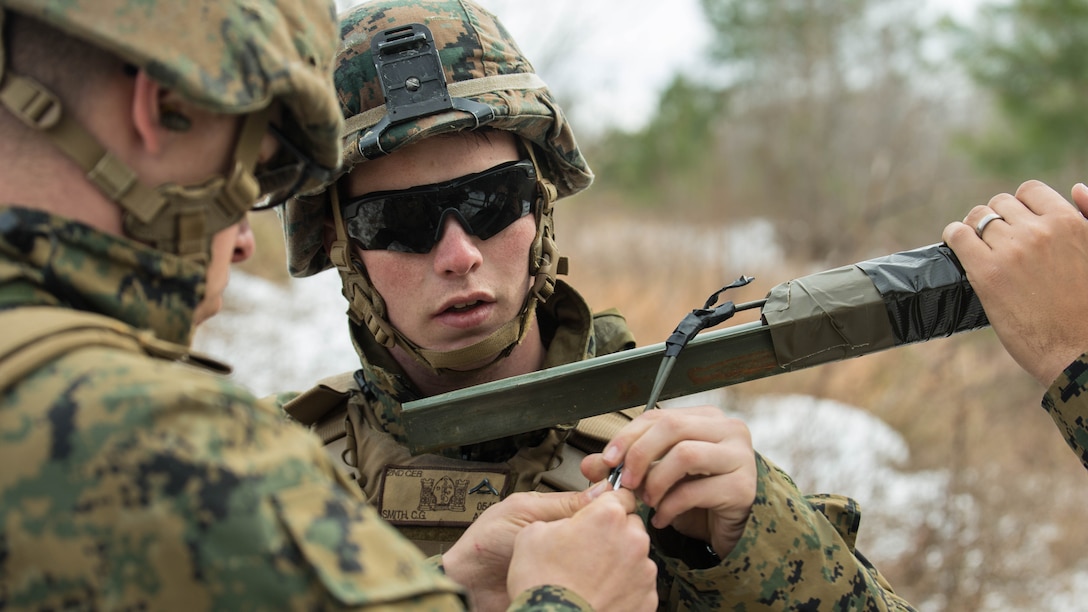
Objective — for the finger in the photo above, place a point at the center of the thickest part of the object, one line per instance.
(606, 512)
(735, 490)
(620, 500)
(992, 219)
(1080, 198)
(962, 238)
(614, 452)
(957, 236)
(636, 526)
(532, 506)
(703, 423)
(1009, 207)
(594, 468)
(626, 499)
(1041, 199)
(696, 459)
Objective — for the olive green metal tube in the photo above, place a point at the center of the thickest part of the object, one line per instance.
(830, 316)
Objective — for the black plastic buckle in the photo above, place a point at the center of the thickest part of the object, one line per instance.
(410, 71)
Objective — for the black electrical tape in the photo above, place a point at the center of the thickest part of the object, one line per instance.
(926, 293)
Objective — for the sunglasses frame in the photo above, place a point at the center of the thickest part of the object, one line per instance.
(441, 207)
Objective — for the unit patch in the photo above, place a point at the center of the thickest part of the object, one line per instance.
(448, 497)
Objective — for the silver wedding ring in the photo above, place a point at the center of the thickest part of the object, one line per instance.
(986, 221)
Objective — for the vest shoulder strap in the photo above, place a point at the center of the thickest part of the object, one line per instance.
(36, 335)
(323, 409)
(319, 403)
(593, 433)
(589, 436)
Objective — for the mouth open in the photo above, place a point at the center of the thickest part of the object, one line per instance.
(466, 307)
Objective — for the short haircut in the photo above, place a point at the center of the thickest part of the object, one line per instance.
(68, 66)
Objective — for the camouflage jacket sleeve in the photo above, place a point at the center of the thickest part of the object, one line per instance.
(1067, 402)
(132, 482)
(549, 598)
(797, 553)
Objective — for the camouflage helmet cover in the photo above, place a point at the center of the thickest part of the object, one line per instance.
(229, 57)
(474, 47)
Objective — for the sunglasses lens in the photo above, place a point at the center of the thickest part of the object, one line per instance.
(279, 184)
(488, 213)
(395, 224)
(410, 220)
(282, 177)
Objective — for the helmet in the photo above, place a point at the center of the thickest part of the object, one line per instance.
(490, 83)
(481, 63)
(230, 57)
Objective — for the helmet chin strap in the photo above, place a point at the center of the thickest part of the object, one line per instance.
(193, 214)
(172, 218)
(368, 309)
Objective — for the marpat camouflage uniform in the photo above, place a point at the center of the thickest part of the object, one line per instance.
(1067, 403)
(132, 482)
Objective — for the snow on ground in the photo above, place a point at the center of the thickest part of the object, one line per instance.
(281, 338)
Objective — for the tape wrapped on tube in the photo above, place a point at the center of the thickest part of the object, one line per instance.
(906, 297)
(926, 293)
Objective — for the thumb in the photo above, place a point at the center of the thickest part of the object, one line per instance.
(574, 503)
(533, 506)
(555, 506)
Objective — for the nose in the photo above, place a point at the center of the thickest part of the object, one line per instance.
(456, 252)
(244, 243)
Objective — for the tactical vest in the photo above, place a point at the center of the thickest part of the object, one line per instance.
(431, 498)
(36, 335)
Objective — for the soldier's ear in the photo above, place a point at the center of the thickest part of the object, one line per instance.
(147, 98)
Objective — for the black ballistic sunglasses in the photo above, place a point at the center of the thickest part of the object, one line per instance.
(411, 220)
(282, 177)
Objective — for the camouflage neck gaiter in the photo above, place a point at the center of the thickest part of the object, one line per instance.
(51, 261)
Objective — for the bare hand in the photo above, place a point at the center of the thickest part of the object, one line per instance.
(480, 558)
(1029, 272)
(601, 553)
(694, 466)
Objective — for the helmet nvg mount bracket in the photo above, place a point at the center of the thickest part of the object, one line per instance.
(414, 86)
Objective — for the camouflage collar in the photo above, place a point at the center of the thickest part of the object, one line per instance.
(49, 260)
